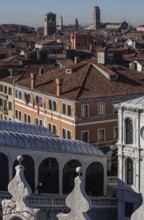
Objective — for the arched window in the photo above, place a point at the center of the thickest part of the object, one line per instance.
(28, 163)
(129, 131)
(129, 171)
(49, 176)
(69, 173)
(4, 172)
(95, 179)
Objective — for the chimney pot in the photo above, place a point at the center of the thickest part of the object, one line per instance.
(76, 59)
(33, 80)
(58, 86)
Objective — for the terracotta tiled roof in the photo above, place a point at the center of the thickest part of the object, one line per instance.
(88, 82)
(65, 62)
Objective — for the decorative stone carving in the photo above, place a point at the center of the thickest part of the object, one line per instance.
(18, 206)
(139, 213)
(77, 201)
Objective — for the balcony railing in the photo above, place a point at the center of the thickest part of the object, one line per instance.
(112, 180)
(55, 201)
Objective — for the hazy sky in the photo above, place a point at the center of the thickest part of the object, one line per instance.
(31, 12)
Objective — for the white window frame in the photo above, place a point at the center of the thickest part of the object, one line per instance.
(66, 109)
(38, 121)
(82, 111)
(52, 127)
(82, 135)
(18, 114)
(99, 135)
(100, 109)
(27, 117)
(52, 105)
(66, 130)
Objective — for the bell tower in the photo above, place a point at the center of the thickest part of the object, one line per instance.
(49, 24)
(96, 18)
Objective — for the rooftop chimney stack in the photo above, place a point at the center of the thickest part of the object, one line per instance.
(76, 60)
(59, 86)
(33, 80)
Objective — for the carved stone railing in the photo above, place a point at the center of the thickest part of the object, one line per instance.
(55, 201)
(112, 180)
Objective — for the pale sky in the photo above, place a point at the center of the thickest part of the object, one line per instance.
(31, 12)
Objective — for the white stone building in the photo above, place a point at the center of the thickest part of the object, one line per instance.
(130, 156)
(50, 164)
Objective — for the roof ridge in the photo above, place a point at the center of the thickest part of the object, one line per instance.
(83, 81)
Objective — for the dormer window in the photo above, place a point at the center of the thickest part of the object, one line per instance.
(129, 131)
(69, 71)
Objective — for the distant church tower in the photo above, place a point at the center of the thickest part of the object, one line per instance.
(61, 24)
(50, 24)
(96, 18)
(76, 24)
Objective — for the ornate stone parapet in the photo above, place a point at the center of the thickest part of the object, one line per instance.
(18, 205)
(77, 201)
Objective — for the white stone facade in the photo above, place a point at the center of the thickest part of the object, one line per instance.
(130, 156)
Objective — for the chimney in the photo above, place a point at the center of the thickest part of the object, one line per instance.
(91, 47)
(10, 72)
(33, 80)
(58, 86)
(76, 59)
(68, 47)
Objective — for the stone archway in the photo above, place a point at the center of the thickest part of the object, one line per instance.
(95, 179)
(49, 176)
(69, 173)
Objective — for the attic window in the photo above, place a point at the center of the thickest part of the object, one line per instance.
(69, 71)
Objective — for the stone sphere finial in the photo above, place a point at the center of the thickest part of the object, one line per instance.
(78, 170)
(19, 159)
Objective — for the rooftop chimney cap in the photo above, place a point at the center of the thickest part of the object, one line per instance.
(59, 81)
(33, 75)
